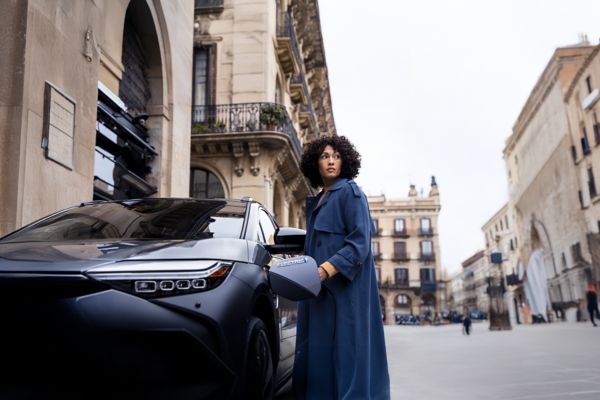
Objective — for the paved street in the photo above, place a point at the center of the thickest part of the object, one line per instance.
(554, 361)
(534, 362)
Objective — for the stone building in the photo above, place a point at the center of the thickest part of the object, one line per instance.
(407, 253)
(584, 111)
(474, 283)
(500, 237)
(260, 91)
(543, 188)
(95, 102)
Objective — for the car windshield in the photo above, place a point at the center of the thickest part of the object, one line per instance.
(170, 219)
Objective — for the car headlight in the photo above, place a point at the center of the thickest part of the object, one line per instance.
(151, 279)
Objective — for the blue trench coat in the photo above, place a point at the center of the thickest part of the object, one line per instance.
(340, 347)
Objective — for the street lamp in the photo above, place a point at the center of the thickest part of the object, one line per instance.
(499, 319)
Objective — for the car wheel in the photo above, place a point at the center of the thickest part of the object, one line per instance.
(259, 371)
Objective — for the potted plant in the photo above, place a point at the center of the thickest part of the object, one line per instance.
(200, 127)
(271, 115)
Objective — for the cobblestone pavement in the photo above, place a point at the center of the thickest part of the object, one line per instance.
(542, 361)
(530, 362)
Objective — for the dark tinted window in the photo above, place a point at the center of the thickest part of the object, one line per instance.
(139, 219)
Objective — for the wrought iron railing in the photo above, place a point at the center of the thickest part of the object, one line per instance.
(243, 118)
(208, 5)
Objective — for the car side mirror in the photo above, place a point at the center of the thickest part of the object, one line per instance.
(288, 241)
(295, 278)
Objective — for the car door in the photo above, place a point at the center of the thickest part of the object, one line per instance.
(286, 309)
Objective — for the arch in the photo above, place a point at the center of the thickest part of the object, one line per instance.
(205, 184)
(148, 21)
(402, 300)
(197, 164)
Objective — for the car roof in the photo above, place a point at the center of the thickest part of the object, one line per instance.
(233, 202)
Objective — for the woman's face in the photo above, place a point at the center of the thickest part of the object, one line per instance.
(330, 165)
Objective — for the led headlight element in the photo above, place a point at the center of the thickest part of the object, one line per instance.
(169, 278)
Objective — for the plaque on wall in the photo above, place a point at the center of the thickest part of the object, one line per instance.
(59, 126)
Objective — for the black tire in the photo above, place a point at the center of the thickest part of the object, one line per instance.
(258, 366)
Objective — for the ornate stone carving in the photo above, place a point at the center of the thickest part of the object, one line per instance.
(238, 154)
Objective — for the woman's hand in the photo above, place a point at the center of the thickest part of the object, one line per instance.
(322, 274)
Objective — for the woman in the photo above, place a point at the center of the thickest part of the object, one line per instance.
(340, 347)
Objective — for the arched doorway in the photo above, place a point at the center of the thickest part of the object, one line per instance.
(205, 185)
(128, 137)
(402, 304)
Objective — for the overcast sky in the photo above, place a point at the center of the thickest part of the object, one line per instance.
(434, 87)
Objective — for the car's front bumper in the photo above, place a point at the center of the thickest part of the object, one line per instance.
(98, 341)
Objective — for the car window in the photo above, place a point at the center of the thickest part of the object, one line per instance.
(267, 227)
(139, 219)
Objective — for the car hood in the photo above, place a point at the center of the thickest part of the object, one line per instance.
(79, 257)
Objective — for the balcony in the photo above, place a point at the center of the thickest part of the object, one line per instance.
(388, 284)
(378, 256)
(428, 287)
(288, 50)
(298, 89)
(401, 257)
(208, 6)
(400, 234)
(427, 257)
(425, 232)
(244, 118)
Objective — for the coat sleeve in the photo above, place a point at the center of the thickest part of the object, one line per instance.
(357, 242)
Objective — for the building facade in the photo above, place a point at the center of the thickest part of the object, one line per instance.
(407, 254)
(475, 283)
(584, 111)
(260, 91)
(501, 238)
(543, 189)
(95, 102)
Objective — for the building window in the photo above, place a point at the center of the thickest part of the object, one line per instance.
(200, 76)
(501, 225)
(426, 250)
(591, 183)
(585, 144)
(205, 185)
(427, 275)
(574, 153)
(506, 221)
(580, 194)
(402, 300)
(588, 83)
(596, 127)
(378, 273)
(376, 223)
(399, 225)
(375, 248)
(512, 245)
(278, 98)
(425, 227)
(564, 260)
(400, 251)
(401, 276)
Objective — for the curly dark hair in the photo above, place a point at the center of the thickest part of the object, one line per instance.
(313, 150)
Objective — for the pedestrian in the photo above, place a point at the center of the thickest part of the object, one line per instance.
(592, 302)
(340, 345)
(467, 324)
